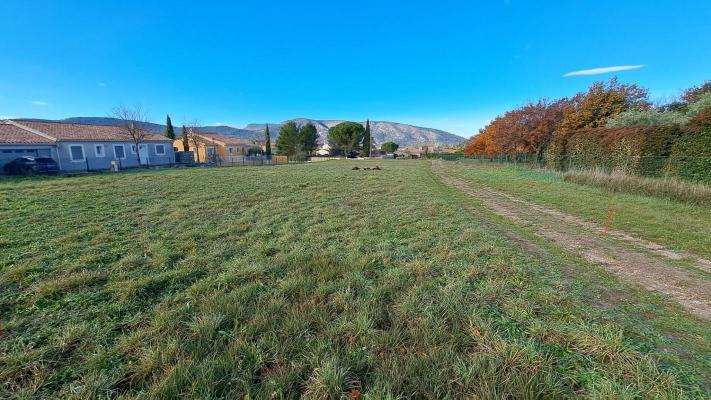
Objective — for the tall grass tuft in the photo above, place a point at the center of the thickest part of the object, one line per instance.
(670, 188)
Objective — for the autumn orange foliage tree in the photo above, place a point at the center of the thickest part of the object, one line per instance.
(601, 102)
(530, 128)
(692, 94)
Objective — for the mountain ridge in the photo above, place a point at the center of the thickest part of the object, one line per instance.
(382, 131)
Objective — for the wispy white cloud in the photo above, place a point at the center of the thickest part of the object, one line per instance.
(6, 117)
(39, 103)
(102, 84)
(603, 70)
(218, 123)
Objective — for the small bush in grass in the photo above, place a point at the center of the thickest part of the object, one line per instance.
(671, 188)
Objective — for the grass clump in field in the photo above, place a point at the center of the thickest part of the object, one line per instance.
(308, 280)
(670, 188)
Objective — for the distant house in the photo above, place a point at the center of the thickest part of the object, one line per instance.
(78, 147)
(213, 147)
(324, 150)
(419, 149)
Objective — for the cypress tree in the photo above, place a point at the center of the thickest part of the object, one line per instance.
(184, 136)
(169, 132)
(267, 142)
(366, 140)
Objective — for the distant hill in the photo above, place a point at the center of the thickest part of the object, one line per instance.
(159, 128)
(383, 131)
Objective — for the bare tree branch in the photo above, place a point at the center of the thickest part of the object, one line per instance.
(132, 121)
(194, 137)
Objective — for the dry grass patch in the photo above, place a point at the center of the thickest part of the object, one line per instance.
(667, 187)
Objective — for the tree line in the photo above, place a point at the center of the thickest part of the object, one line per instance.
(347, 138)
(530, 128)
(613, 126)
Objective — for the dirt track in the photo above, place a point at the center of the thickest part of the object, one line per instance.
(645, 263)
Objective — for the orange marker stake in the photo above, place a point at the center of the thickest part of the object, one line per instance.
(609, 220)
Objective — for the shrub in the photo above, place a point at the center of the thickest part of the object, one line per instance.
(632, 150)
(702, 104)
(555, 152)
(702, 120)
(691, 157)
(389, 147)
(647, 117)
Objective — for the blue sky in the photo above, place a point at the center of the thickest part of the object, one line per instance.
(452, 65)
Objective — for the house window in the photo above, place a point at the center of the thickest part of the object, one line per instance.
(99, 149)
(231, 150)
(119, 151)
(160, 149)
(133, 148)
(76, 152)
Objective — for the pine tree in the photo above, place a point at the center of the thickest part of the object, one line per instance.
(184, 137)
(169, 132)
(267, 142)
(308, 138)
(366, 140)
(346, 137)
(287, 143)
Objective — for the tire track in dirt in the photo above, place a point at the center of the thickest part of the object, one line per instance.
(632, 259)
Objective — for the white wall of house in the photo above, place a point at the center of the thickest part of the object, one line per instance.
(82, 156)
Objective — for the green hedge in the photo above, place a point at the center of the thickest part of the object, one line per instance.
(691, 157)
(638, 150)
(641, 150)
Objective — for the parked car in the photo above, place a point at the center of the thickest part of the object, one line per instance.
(31, 166)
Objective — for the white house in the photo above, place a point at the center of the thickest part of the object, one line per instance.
(78, 147)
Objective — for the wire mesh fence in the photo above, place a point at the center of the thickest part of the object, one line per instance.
(696, 168)
(256, 160)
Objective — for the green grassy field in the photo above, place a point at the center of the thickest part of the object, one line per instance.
(315, 280)
(677, 225)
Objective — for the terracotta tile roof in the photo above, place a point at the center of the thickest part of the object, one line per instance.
(224, 139)
(10, 134)
(78, 132)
